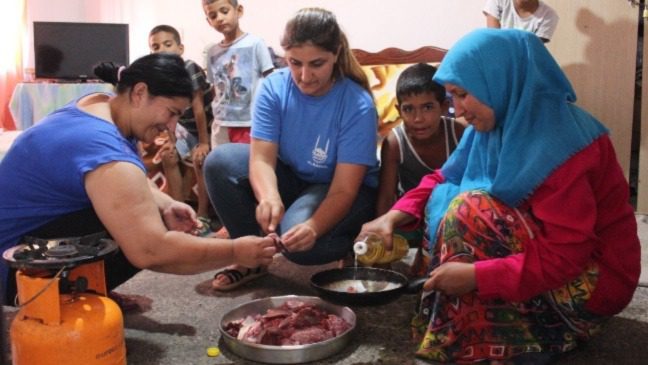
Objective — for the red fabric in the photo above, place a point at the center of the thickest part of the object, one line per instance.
(585, 214)
(8, 83)
(413, 202)
(239, 134)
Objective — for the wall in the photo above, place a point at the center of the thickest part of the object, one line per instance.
(596, 45)
(369, 26)
(595, 42)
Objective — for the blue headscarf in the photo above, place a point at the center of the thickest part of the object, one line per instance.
(537, 126)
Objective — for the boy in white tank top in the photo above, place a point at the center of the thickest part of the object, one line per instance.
(418, 146)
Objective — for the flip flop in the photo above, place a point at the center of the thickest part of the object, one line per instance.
(238, 278)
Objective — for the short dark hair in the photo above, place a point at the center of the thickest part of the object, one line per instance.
(417, 79)
(234, 3)
(167, 29)
(163, 73)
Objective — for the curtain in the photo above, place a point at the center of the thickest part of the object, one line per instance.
(13, 23)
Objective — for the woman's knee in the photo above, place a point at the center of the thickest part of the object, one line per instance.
(469, 211)
(482, 219)
(472, 202)
(226, 160)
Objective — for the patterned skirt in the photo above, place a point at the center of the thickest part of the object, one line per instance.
(466, 329)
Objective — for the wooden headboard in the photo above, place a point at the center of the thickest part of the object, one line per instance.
(383, 68)
(392, 55)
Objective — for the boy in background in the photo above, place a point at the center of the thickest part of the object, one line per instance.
(235, 66)
(192, 133)
(419, 145)
(530, 15)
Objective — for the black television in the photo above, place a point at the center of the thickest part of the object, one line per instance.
(69, 51)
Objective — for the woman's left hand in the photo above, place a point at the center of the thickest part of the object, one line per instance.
(301, 237)
(179, 216)
(452, 278)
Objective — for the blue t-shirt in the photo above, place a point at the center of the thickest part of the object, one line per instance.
(42, 174)
(314, 133)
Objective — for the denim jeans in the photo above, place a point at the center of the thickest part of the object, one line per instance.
(226, 172)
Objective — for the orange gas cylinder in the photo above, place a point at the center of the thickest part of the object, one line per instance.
(90, 332)
(65, 316)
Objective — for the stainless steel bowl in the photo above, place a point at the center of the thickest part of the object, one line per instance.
(293, 354)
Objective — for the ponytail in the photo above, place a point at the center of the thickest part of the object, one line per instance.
(348, 65)
(163, 73)
(108, 72)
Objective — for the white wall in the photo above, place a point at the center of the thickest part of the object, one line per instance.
(370, 24)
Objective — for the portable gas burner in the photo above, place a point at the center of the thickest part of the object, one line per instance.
(85, 327)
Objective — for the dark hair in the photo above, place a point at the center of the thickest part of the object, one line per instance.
(320, 28)
(417, 79)
(234, 3)
(163, 73)
(167, 29)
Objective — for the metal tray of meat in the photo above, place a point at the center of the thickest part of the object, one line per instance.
(287, 354)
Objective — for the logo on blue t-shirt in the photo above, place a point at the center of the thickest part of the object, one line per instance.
(319, 155)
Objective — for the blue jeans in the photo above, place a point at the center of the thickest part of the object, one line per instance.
(226, 171)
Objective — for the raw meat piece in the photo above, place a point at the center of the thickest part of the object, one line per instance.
(292, 323)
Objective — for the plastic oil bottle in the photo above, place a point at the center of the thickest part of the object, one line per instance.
(372, 250)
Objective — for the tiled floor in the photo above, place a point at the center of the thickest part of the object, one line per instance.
(182, 316)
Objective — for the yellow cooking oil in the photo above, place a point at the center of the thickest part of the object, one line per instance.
(371, 250)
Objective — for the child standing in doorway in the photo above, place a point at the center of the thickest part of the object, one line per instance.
(419, 145)
(192, 141)
(235, 66)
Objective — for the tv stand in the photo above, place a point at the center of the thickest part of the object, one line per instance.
(32, 101)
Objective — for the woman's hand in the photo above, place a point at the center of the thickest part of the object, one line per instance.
(300, 237)
(253, 251)
(452, 278)
(199, 153)
(381, 227)
(179, 216)
(384, 225)
(269, 213)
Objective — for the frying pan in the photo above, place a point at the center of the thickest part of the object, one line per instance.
(377, 286)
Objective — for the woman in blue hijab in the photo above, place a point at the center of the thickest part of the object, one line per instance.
(532, 240)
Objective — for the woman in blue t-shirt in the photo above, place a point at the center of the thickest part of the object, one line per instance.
(78, 172)
(310, 172)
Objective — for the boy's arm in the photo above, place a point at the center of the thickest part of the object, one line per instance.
(493, 12)
(492, 22)
(389, 160)
(265, 59)
(198, 107)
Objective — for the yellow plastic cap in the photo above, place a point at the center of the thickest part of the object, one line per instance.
(213, 351)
